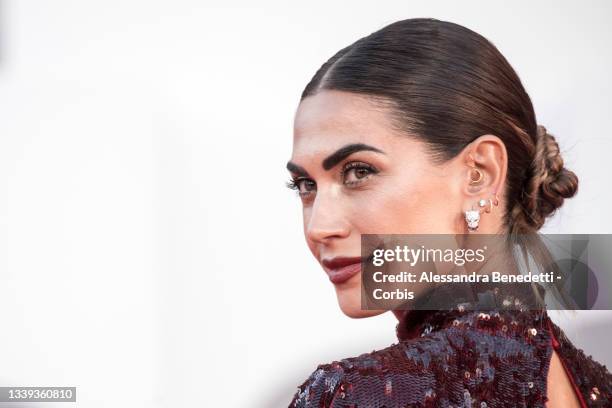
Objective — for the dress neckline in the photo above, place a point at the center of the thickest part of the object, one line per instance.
(442, 306)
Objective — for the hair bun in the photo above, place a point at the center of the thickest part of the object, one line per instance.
(547, 182)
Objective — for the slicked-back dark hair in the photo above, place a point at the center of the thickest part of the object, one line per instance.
(448, 85)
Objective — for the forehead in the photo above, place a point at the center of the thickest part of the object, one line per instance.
(330, 119)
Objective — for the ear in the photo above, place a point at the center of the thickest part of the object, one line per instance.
(487, 154)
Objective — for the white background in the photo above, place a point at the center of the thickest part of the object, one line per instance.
(149, 252)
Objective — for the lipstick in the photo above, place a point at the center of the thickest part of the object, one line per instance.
(341, 269)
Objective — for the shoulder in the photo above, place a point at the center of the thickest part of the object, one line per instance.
(452, 366)
(592, 378)
(404, 372)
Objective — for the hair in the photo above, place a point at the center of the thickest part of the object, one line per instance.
(447, 85)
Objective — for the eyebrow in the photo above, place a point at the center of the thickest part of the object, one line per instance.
(334, 158)
(294, 168)
(345, 151)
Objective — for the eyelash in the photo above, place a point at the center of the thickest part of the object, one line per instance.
(357, 165)
(294, 183)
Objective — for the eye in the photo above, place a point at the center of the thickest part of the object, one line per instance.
(355, 173)
(304, 186)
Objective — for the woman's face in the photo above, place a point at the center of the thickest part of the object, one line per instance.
(356, 175)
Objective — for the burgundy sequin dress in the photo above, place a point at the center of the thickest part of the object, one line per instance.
(460, 357)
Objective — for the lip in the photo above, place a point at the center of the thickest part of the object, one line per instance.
(341, 269)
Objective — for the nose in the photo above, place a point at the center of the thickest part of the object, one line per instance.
(326, 219)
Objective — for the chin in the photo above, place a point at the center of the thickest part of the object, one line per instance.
(351, 306)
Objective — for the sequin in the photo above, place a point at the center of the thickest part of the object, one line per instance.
(388, 387)
(459, 368)
(467, 398)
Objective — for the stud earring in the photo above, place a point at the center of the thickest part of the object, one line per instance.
(486, 205)
(495, 198)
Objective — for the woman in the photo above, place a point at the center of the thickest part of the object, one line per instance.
(406, 131)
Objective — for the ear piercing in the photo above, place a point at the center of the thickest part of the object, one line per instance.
(486, 205)
(475, 176)
(472, 216)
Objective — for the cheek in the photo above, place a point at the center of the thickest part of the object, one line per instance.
(409, 206)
